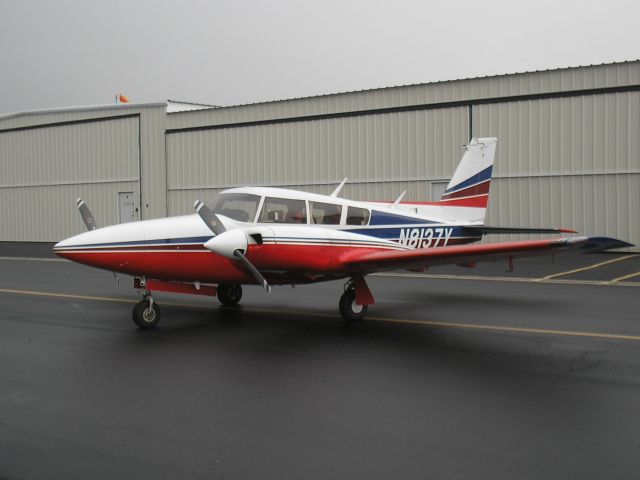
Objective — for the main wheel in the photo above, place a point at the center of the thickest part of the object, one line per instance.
(349, 310)
(229, 294)
(145, 315)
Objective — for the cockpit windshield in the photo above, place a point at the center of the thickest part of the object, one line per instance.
(238, 206)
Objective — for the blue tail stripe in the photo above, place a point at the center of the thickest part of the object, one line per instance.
(477, 178)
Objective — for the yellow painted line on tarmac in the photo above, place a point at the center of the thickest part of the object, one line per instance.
(66, 295)
(624, 277)
(428, 323)
(497, 278)
(590, 267)
(35, 259)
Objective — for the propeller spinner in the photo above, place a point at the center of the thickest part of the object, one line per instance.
(232, 244)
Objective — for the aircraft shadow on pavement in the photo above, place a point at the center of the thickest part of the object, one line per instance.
(469, 299)
(477, 353)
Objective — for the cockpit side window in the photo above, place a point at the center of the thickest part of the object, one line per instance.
(238, 206)
(357, 216)
(283, 210)
(325, 213)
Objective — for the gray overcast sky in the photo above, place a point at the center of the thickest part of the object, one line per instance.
(79, 52)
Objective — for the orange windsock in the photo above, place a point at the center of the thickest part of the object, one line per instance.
(123, 99)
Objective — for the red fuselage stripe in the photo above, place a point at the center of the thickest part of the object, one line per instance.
(187, 265)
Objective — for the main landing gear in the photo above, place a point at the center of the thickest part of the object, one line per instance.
(355, 300)
(229, 294)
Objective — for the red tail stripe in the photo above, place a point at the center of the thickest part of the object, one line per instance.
(479, 189)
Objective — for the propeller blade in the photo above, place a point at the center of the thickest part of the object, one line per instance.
(87, 216)
(211, 219)
(240, 255)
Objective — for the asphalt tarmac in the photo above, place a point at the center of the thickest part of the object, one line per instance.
(456, 374)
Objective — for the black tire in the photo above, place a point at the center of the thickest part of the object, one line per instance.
(144, 316)
(348, 308)
(229, 294)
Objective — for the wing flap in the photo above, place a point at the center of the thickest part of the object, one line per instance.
(367, 262)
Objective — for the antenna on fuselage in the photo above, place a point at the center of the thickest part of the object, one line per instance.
(339, 187)
(395, 204)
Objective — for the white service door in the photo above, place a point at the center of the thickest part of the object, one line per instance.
(437, 190)
(126, 207)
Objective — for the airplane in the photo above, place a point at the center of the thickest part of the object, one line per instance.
(272, 236)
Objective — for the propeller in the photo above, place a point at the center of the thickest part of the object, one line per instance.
(87, 216)
(232, 244)
(252, 269)
(210, 218)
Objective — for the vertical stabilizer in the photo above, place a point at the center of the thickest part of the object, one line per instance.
(469, 186)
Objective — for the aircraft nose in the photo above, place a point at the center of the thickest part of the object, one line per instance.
(64, 247)
(102, 247)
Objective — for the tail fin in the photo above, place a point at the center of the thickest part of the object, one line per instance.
(469, 186)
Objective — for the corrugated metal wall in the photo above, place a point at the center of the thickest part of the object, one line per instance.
(43, 171)
(571, 162)
(382, 155)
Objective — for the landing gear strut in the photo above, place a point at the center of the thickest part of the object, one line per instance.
(229, 294)
(355, 300)
(146, 313)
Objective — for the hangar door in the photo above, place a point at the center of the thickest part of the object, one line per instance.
(43, 169)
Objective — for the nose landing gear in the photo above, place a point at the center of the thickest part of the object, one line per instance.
(146, 313)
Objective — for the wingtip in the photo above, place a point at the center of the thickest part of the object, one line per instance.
(599, 244)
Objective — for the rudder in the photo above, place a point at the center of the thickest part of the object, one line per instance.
(469, 186)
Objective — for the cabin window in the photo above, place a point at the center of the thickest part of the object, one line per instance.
(283, 210)
(357, 216)
(238, 206)
(325, 213)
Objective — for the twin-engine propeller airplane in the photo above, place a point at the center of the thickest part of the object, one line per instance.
(271, 236)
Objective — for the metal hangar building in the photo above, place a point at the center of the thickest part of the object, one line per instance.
(568, 152)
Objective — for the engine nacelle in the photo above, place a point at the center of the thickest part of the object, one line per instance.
(228, 242)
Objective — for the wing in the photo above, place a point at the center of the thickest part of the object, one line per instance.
(484, 229)
(368, 262)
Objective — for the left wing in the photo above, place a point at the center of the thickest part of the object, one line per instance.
(368, 262)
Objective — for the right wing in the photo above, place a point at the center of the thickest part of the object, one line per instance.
(483, 229)
(369, 262)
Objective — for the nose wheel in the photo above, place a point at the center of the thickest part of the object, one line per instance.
(146, 313)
